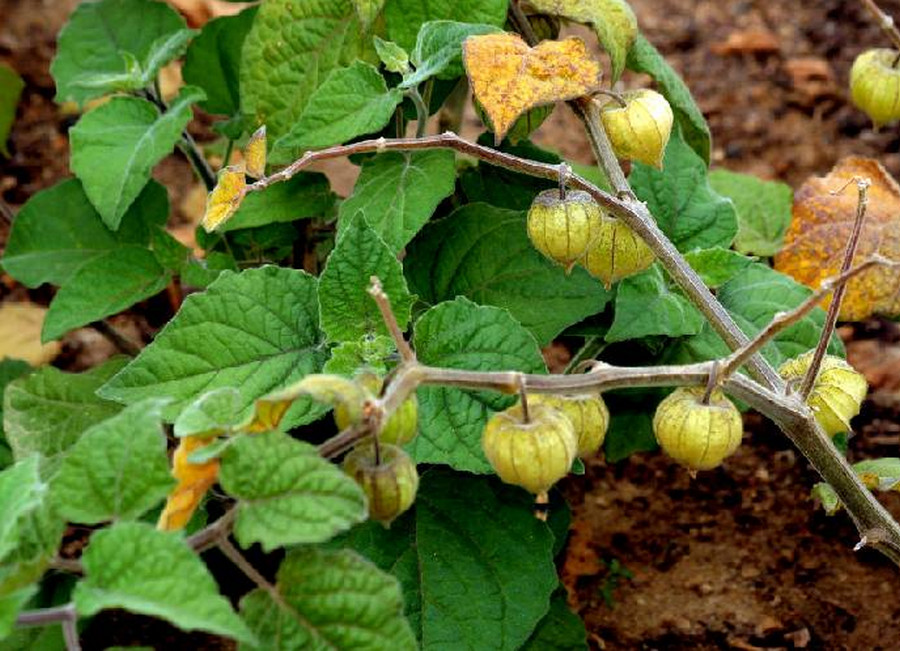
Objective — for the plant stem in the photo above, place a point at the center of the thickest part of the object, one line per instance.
(834, 309)
(885, 22)
(421, 111)
(64, 615)
(119, 339)
(589, 113)
(387, 314)
(228, 149)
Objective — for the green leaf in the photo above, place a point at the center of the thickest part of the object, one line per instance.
(10, 369)
(117, 470)
(763, 210)
(877, 474)
(305, 195)
(369, 351)
(256, 331)
(394, 57)
(438, 51)
(613, 21)
(560, 630)
(717, 266)
(645, 306)
(476, 566)
(350, 102)
(103, 286)
(132, 566)
(643, 57)
(211, 414)
(328, 600)
(116, 145)
(287, 494)
(399, 191)
(290, 50)
(406, 17)
(58, 231)
(501, 187)
(11, 85)
(21, 491)
(631, 425)
(346, 309)
(10, 605)
(460, 334)
(162, 51)
(483, 253)
(687, 209)
(99, 38)
(47, 411)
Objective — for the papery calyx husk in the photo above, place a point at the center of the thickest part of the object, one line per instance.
(402, 425)
(639, 130)
(837, 393)
(564, 228)
(617, 253)
(587, 413)
(697, 435)
(390, 481)
(534, 454)
(875, 85)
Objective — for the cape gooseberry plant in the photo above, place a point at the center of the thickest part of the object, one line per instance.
(418, 317)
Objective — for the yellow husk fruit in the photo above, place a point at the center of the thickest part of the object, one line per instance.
(837, 393)
(697, 435)
(401, 427)
(588, 414)
(618, 252)
(534, 455)
(390, 486)
(875, 85)
(639, 130)
(564, 229)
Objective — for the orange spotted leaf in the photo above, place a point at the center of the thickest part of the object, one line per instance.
(194, 479)
(255, 154)
(821, 224)
(225, 198)
(508, 77)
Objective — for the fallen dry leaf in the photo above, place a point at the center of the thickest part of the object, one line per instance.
(20, 334)
(821, 224)
(508, 77)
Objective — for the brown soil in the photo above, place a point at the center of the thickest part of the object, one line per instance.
(739, 557)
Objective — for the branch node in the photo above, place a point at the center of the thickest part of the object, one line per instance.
(384, 305)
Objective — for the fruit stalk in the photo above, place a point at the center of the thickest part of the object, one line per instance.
(885, 22)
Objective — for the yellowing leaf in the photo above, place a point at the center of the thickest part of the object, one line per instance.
(821, 225)
(508, 77)
(20, 334)
(255, 154)
(194, 479)
(331, 389)
(225, 198)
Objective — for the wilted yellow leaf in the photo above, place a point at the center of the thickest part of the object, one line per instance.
(255, 153)
(225, 198)
(508, 77)
(194, 479)
(20, 334)
(821, 225)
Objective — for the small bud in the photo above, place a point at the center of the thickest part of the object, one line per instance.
(639, 130)
(875, 85)
(390, 485)
(837, 393)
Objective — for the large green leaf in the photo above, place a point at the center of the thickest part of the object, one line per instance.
(687, 209)
(132, 566)
(476, 566)
(11, 85)
(10, 369)
(716, 266)
(347, 310)
(103, 286)
(328, 600)
(398, 192)
(117, 470)
(646, 306)
(290, 50)
(102, 39)
(461, 334)
(643, 57)
(438, 51)
(560, 630)
(406, 17)
(483, 253)
(287, 494)
(47, 411)
(116, 145)
(351, 102)
(213, 61)
(763, 210)
(58, 231)
(256, 331)
(304, 195)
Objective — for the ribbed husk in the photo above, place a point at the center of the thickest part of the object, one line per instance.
(401, 427)
(390, 486)
(639, 130)
(587, 413)
(564, 229)
(618, 252)
(875, 85)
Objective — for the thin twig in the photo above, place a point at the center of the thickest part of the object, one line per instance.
(235, 556)
(64, 615)
(70, 634)
(421, 111)
(885, 22)
(387, 314)
(207, 537)
(834, 310)
(118, 338)
(521, 24)
(71, 565)
(589, 112)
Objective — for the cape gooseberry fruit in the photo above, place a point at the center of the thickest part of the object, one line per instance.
(639, 130)
(401, 427)
(564, 228)
(875, 85)
(390, 486)
(617, 253)
(588, 414)
(837, 393)
(533, 454)
(695, 434)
